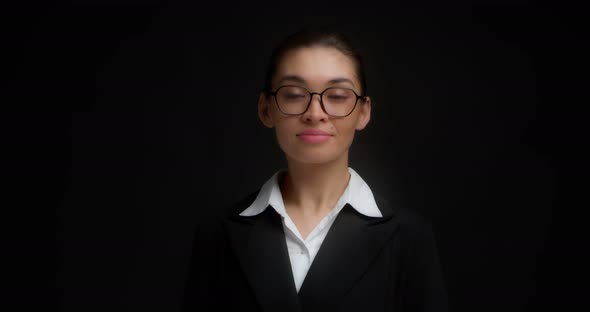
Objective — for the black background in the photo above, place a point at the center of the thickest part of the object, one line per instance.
(137, 118)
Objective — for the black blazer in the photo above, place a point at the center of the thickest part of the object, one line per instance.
(364, 264)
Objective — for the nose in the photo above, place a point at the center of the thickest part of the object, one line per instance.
(315, 111)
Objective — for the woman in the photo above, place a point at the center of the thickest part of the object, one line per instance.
(314, 237)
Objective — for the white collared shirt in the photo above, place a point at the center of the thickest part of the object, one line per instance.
(303, 251)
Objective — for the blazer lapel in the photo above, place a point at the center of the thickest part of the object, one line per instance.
(352, 242)
(259, 243)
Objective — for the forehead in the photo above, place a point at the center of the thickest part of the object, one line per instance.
(316, 65)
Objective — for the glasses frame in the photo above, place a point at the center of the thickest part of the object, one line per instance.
(321, 94)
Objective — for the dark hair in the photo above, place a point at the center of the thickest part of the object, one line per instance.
(315, 38)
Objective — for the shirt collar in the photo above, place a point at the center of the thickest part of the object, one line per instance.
(357, 194)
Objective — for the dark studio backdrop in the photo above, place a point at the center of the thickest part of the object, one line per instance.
(143, 121)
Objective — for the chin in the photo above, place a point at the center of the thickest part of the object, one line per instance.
(312, 158)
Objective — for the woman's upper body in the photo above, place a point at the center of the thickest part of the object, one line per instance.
(364, 263)
(315, 99)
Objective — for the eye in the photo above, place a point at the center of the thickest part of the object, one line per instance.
(293, 95)
(339, 95)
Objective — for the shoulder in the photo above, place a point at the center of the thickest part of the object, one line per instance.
(214, 224)
(411, 224)
(422, 287)
(238, 206)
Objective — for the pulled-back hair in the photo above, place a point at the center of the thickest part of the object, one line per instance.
(315, 38)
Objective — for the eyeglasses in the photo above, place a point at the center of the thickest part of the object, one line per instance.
(335, 101)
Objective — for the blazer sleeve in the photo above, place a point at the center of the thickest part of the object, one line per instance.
(199, 292)
(422, 283)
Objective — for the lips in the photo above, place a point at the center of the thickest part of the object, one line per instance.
(314, 136)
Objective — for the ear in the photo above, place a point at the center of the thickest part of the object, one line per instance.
(364, 114)
(264, 110)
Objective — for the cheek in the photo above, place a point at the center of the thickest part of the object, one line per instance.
(346, 134)
(346, 128)
(283, 133)
(347, 138)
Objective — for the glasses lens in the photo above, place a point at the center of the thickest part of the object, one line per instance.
(339, 101)
(292, 100)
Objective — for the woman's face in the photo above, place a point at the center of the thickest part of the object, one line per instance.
(314, 68)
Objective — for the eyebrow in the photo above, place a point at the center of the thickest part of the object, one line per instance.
(298, 79)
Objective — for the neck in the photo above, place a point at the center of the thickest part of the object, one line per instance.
(314, 189)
